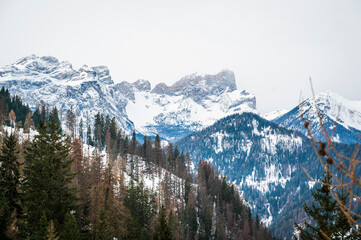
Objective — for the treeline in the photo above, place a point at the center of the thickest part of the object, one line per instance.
(50, 189)
(15, 104)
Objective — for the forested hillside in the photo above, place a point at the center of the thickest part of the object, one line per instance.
(105, 185)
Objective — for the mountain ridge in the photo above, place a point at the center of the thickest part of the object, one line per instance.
(196, 101)
(333, 108)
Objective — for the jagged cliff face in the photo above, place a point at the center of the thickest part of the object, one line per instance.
(189, 105)
(192, 103)
(333, 109)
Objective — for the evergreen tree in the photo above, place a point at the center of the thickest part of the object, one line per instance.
(190, 213)
(41, 232)
(322, 212)
(47, 177)
(102, 229)
(142, 207)
(71, 231)
(344, 229)
(5, 214)
(98, 130)
(89, 136)
(133, 144)
(9, 173)
(162, 230)
(157, 151)
(54, 114)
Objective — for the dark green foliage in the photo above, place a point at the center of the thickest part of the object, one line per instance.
(89, 137)
(205, 226)
(102, 229)
(158, 152)
(14, 103)
(216, 195)
(41, 114)
(133, 144)
(162, 230)
(322, 212)
(9, 173)
(190, 220)
(70, 231)
(55, 115)
(5, 214)
(47, 177)
(41, 232)
(142, 207)
(344, 229)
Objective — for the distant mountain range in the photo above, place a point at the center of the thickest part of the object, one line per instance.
(192, 103)
(207, 116)
(265, 162)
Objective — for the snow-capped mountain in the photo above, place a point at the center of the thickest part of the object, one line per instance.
(189, 105)
(265, 161)
(333, 108)
(192, 103)
(274, 114)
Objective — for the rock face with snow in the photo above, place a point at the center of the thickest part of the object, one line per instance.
(265, 161)
(191, 104)
(333, 108)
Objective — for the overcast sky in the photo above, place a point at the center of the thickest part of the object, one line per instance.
(272, 46)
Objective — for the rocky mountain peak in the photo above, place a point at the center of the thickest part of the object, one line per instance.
(200, 87)
(142, 85)
(101, 73)
(35, 63)
(192, 103)
(224, 80)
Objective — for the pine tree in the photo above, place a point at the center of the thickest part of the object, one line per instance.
(98, 130)
(162, 230)
(41, 232)
(157, 151)
(322, 212)
(102, 229)
(142, 207)
(9, 173)
(54, 114)
(71, 231)
(5, 214)
(3, 109)
(190, 215)
(344, 229)
(47, 177)
(89, 136)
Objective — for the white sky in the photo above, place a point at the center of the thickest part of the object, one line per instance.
(272, 46)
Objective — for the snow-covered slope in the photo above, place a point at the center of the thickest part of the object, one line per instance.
(274, 114)
(333, 108)
(188, 105)
(192, 103)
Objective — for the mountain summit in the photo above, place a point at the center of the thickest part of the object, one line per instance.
(192, 103)
(333, 108)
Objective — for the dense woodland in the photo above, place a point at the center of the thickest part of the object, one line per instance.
(88, 184)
